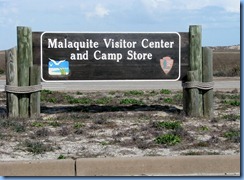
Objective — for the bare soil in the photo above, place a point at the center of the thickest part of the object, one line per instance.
(119, 124)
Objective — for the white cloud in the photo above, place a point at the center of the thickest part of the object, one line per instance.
(232, 6)
(100, 11)
(228, 5)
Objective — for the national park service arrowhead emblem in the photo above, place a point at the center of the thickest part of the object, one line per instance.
(166, 64)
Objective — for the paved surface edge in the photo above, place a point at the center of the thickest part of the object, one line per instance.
(218, 165)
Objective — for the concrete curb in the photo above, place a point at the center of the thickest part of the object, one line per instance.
(156, 166)
(38, 168)
(173, 166)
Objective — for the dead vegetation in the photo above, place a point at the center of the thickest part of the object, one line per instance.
(119, 123)
(226, 64)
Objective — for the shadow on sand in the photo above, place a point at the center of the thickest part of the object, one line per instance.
(101, 108)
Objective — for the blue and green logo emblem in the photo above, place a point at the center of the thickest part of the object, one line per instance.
(58, 67)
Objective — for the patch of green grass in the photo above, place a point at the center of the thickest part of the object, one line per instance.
(234, 96)
(203, 128)
(37, 124)
(168, 139)
(54, 124)
(112, 92)
(165, 91)
(134, 93)
(37, 147)
(46, 96)
(168, 100)
(231, 117)
(53, 96)
(104, 100)
(153, 93)
(85, 100)
(78, 125)
(168, 124)
(225, 96)
(51, 118)
(73, 100)
(131, 101)
(61, 157)
(232, 102)
(178, 98)
(51, 100)
(104, 143)
(232, 135)
(46, 91)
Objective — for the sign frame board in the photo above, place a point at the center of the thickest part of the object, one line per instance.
(164, 62)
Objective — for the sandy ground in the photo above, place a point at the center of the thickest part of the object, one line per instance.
(109, 128)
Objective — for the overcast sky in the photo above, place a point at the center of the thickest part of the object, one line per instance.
(220, 19)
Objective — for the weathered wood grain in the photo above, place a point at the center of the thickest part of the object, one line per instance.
(12, 79)
(25, 60)
(207, 76)
(35, 79)
(195, 61)
(190, 96)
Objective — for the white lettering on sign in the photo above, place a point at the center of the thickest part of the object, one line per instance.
(133, 55)
(89, 43)
(156, 44)
(98, 55)
(111, 43)
(79, 56)
(83, 47)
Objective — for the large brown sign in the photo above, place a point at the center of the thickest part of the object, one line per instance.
(112, 56)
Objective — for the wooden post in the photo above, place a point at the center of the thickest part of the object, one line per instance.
(196, 59)
(35, 97)
(207, 76)
(25, 60)
(12, 79)
(192, 104)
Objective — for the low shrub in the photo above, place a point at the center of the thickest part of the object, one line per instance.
(168, 124)
(168, 139)
(131, 101)
(37, 147)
